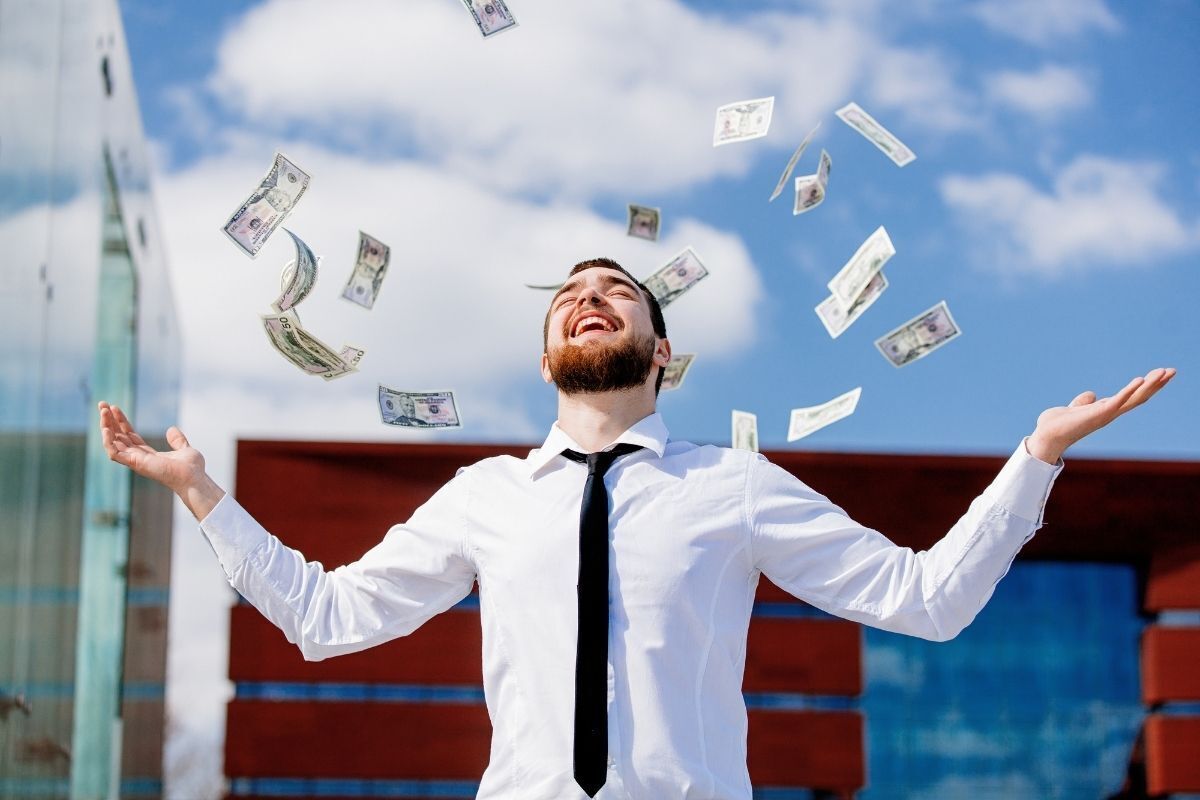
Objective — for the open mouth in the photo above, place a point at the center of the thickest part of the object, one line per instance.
(592, 323)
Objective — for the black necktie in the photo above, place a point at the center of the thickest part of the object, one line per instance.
(591, 646)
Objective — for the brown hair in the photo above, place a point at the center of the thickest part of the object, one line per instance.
(656, 315)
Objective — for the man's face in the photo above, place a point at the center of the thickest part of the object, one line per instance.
(600, 337)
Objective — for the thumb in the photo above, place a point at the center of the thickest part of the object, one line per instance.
(176, 439)
(1084, 399)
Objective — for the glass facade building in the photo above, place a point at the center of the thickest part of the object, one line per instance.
(87, 314)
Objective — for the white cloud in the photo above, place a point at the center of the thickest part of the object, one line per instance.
(1100, 211)
(920, 83)
(1046, 22)
(1046, 93)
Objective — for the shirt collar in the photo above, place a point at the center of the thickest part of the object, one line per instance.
(649, 432)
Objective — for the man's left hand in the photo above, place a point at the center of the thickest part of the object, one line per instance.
(1060, 427)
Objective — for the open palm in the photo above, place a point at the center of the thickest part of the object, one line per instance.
(1060, 427)
(174, 468)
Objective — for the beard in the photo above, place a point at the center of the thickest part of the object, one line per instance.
(600, 367)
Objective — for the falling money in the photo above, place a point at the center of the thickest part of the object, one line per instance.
(418, 409)
(876, 134)
(920, 336)
(681, 273)
(810, 189)
(743, 120)
(275, 197)
(852, 279)
(644, 222)
(745, 431)
(363, 285)
(299, 276)
(491, 16)
(306, 351)
(836, 318)
(805, 421)
(791, 164)
(676, 370)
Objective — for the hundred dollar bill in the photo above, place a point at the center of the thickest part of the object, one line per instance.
(837, 319)
(644, 222)
(791, 165)
(362, 287)
(810, 189)
(681, 273)
(276, 195)
(303, 349)
(878, 135)
(743, 120)
(549, 287)
(491, 16)
(745, 431)
(855, 274)
(920, 336)
(418, 409)
(676, 371)
(809, 420)
(299, 275)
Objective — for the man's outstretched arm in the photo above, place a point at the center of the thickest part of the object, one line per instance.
(419, 569)
(810, 547)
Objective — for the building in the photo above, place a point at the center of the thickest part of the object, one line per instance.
(1074, 682)
(86, 313)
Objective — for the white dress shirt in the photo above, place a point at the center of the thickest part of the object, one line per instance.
(692, 529)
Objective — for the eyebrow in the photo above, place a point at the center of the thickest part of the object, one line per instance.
(605, 280)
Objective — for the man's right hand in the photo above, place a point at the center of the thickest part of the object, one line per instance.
(181, 469)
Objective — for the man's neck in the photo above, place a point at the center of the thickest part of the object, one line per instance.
(596, 420)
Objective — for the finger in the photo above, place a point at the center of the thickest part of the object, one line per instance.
(1083, 399)
(1155, 380)
(122, 420)
(176, 439)
(1112, 405)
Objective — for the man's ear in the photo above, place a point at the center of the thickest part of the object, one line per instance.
(662, 352)
(546, 376)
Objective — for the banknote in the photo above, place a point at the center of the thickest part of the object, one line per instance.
(681, 273)
(644, 222)
(299, 275)
(303, 349)
(491, 16)
(855, 274)
(878, 135)
(676, 371)
(362, 287)
(273, 199)
(809, 420)
(549, 287)
(418, 409)
(351, 355)
(743, 120)
(745, 431)
(837, 318)
(810, 189)
(920, 336)
(791, 165)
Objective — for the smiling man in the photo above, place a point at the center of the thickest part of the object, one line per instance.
(617, 566)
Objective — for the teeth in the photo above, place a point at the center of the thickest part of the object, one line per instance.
(591, 323)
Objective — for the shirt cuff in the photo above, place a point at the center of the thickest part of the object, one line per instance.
(232, 533)
(1023, 485)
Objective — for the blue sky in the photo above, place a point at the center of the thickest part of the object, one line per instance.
(1054, 203)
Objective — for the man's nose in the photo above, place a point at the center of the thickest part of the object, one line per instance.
(590, 296)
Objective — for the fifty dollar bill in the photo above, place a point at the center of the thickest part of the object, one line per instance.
(362, 287)
(418, 409)
(644, 222)
(920, 336)
(676, 371)
(276, 195)
(679, 274)
(810, 189)
(745, 431)
(805, 421)
(491, 16)
(791, 164)
(306, 351)
(299, 276)
(878, 135)
(868, 259)
(743, 120)
(837, 319)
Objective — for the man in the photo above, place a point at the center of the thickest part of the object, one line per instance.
(613, 661)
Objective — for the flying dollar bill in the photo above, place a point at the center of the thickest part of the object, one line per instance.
(676, 371)
(920, 336)
(837, 318)
(549, 287)
(644, 222)
(805, 421)
(362, 287)
(299, 275)
(418, 409)
(303, 349)
(791, 165)
(745, 431)
(681, 273)
(810, 189)
(276, 195)
(743, 120)
(852, 279)
(876, 134)
(491, 16)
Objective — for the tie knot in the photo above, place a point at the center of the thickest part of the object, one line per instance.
(599, 462)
